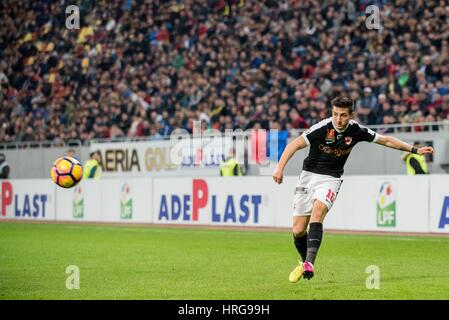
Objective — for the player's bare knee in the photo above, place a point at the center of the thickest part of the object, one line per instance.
(318, 216)
(319, 212)
(299, 231)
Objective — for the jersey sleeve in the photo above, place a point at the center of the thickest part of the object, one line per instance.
(315, 132)
(366, 134)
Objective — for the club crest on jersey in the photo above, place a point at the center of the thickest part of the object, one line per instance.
(330, 136)
(348, 140)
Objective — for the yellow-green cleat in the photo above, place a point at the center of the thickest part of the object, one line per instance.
(296, 274)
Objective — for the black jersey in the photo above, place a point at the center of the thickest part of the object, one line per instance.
(330, 148)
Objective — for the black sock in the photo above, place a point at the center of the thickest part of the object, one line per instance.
(314, 240)
(301, 245)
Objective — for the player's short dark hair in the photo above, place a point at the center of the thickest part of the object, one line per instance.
(343, 102)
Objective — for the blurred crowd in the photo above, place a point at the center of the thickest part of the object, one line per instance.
(146, 67)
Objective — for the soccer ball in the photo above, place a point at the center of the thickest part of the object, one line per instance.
(66, 172)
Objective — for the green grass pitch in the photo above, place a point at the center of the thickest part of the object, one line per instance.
(121, 262)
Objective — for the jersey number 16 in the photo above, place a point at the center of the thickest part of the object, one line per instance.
(331, 196)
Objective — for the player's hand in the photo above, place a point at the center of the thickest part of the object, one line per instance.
(424, 150)
(278, 175)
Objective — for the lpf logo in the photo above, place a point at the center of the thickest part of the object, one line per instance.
(386, 205)
(126, 203)
(78, 203)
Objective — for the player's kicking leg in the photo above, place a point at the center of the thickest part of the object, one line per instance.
(300, 239)
(314, 237)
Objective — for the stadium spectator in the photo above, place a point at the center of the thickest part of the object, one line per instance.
(4, 167)
(72, 153)
(234, 64)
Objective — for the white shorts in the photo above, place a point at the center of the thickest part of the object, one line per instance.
(313, 186)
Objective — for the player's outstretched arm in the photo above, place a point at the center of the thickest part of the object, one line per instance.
(297, 144)
(395, 143)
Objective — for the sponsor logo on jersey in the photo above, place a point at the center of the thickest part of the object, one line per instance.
(335, 152)
(348, 140)
(330, 136)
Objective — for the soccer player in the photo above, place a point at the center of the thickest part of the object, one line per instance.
(331, 142)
